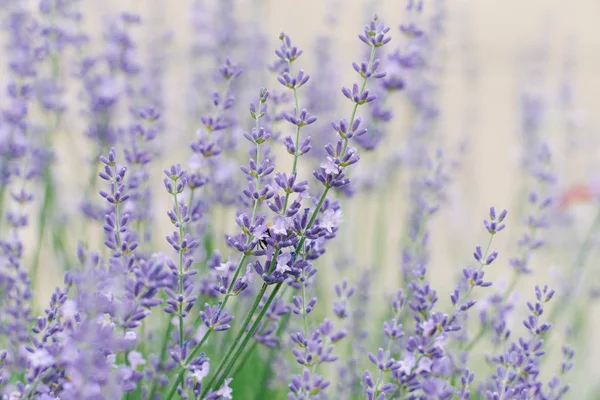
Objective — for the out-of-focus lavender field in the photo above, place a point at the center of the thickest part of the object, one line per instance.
(306, 200)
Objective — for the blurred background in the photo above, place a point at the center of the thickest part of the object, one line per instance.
(501, 70)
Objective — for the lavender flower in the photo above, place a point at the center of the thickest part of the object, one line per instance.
(518, 368)
(238, 305)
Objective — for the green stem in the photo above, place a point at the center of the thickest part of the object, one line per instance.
(48, 195)
(578, 269)
(245, 358)
(511, 286)
(267, 304)
(380, 374)
(379, 236)
(163, 354)
(236, 274)
(237, 339)
(117, 218)
(2, 193)
(472, 285)
(180, 223)
(257, 301)
(187, 361)
(36, 383)
(249, 335)
(313, 218)
(304, 313)
(297, 143)
(362, 89)
(282, 326)
(250, 237)
(476, 339)
(509, 289)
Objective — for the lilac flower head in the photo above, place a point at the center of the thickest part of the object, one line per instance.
(215, 318)
(287, 52)
(375, 34)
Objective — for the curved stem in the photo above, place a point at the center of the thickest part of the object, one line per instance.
(249, 334)
(42, 221)
(380, 374)
(472, 286)
(509, 289)
(117, 218)
(237, 339)
(163, 354)
(264, 309)
(297, 142)
(245, 358)
(304, 313)
(578, 269)
(188, 359)
(298, 248)
(282, 326)
(250, 237)
(180, 223)
(362, 89)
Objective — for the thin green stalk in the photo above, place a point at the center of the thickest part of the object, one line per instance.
(509, 289)
(362, 89)
(250, 237)
(297, 143)
(181, 373)
(180, 223)
(313, 218)
(245, 358)
(2, 193)
(468, 293)
(476, 339)
(237, 272)
(237, 339)
(48, 196)
(511, 286)
(282, 326)
(578, 268)
(249, 334)
(36, 383)
(91, 185)
(298, 247)
(380, 374)
(3, 166)
(378, 235)
(263, 290)
(472, 286)
(49, 186)
(304, 313)
(267, 304)
(163, 355)
(117, 218)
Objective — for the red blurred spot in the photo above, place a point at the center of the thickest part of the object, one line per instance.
(576, 194)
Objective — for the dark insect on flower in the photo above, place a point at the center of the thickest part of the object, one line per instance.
(262, 243)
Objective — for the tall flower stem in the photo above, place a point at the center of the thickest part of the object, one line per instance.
(238, 338)
(180, 223)
(380, 373)
(250, 237)
(579, 268)
(280, 329)
(163, 354)
(225, 369)
(296, 155)
(304, 313)
(181, 373)
(362, 89)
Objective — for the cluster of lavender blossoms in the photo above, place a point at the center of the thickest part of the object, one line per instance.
(237, 298)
